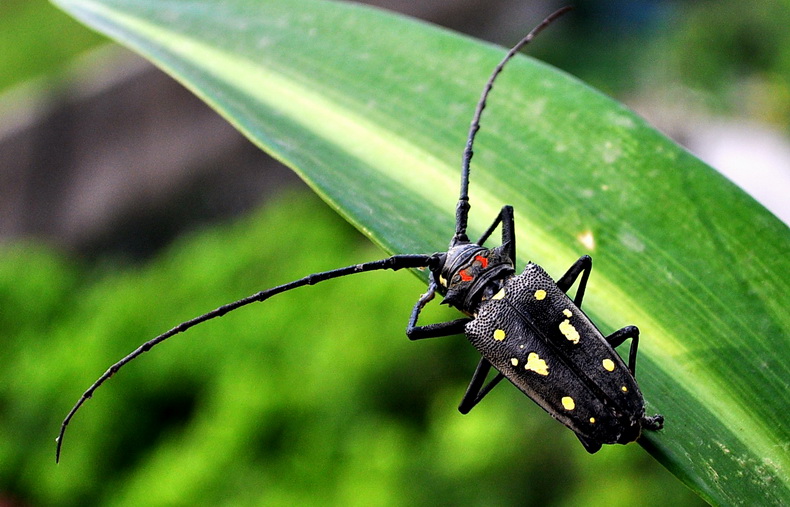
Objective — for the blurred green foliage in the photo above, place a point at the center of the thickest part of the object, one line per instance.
(741, 57)
(36, 39)
(314, 398)
(728, 56)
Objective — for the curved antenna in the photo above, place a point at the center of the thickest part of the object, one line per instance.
(395, 262)
(462, 209)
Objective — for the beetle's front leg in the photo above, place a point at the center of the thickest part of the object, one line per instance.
(415, 332)
(505, 217)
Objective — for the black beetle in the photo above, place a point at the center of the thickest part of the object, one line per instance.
(525, 326)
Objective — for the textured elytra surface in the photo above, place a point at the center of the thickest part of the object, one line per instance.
(546, 346)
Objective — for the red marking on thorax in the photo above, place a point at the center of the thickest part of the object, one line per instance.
(465, 276)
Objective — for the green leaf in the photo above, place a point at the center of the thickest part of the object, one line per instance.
(372, 109)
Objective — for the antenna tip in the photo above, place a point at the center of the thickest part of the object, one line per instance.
(58, 444)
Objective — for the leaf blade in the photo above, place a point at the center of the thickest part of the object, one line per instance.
(679, 250)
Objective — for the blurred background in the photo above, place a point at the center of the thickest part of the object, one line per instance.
(127, 206)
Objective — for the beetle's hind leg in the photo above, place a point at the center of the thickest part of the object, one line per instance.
(476, 390)
(618, 337)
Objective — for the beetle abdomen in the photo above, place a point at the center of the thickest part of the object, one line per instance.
(545, 345)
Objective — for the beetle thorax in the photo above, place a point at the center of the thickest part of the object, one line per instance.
(469, 272)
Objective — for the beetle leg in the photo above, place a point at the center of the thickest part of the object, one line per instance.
(621, 335)
(436, 330)
(415, 332)
(582, 266)
(505, 217)
(476, 391)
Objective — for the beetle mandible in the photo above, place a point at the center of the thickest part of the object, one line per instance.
(524, 326)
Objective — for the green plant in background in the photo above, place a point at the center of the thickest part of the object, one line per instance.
(374, 124)
(33, 42)
(746, 58)
(316, 397)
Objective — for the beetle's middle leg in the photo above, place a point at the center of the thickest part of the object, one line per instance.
(582, 266)
(621, 335)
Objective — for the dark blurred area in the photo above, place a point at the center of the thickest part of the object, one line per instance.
(711, 78)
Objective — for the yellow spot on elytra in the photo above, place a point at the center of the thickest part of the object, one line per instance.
(568, 403)
(608, 365)
(536, 364)
(567, 313)
(442, 281)
(499, 335)
(540, 294)
(499, 295)
(624, 389)
(587, 239)
(569, 331)
(592, 420)
(514, 361)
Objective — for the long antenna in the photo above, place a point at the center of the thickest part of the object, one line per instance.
(462, 209)
(395, 262)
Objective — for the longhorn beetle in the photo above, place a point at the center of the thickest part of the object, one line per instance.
(524, 326)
